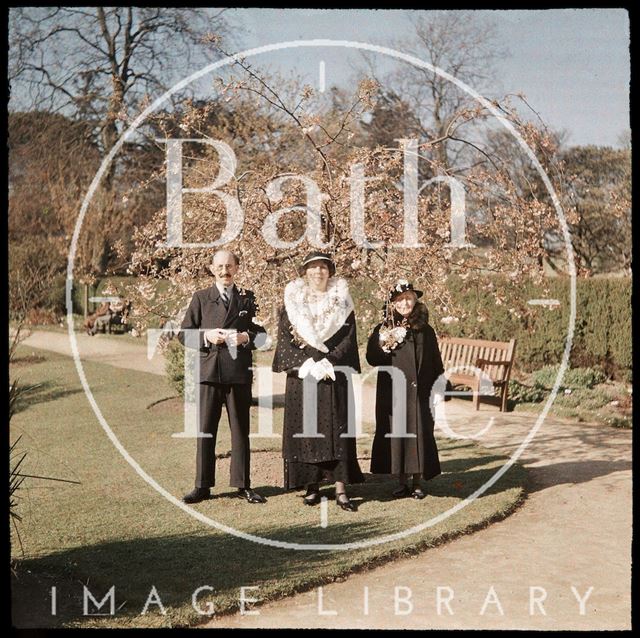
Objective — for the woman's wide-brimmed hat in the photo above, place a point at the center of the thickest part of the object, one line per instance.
(314, 256)
(402, 285)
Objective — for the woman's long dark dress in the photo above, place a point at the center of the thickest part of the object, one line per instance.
(309, 460)
(418, 357)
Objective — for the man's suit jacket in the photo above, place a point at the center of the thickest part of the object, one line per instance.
(206, 311)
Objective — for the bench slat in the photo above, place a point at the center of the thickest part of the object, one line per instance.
(503, 345)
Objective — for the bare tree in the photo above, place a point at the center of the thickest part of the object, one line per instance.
(599, 192)
(464, 45)
(98, 65)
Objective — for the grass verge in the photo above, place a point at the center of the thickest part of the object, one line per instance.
(115, 530)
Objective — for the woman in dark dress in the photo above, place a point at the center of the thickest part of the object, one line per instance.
(405, 341)
(316, 332)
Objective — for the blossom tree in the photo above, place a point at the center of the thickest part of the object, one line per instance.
(304, 178)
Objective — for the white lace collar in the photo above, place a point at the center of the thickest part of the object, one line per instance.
(317, 318)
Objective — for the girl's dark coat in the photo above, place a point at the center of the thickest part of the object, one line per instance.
(418, 357)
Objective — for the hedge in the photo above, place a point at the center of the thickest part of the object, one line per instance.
(602, 333)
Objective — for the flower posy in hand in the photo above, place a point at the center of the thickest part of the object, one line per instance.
(391, 338)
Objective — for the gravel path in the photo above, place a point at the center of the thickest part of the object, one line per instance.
(574, 530)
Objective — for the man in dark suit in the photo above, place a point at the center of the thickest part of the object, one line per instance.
(224, 314)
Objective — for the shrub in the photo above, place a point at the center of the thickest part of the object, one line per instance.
(584, 377)
(34, 266)
(623, 422)
(174, 365)
(574, 378)
(583, 398)
(602, 336)
(619, 330)
(521, 393)
(55, 299)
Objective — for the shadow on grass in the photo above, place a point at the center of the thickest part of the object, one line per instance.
(27, 360)
(42, 393)
(457, 481)
(177, 565)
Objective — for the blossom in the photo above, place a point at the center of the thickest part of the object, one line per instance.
(146, 290)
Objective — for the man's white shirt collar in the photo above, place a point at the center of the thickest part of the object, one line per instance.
(222, 288)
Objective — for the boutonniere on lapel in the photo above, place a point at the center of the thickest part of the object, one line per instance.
(247, 303)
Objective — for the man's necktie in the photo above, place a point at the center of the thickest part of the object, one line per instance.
(225, 298)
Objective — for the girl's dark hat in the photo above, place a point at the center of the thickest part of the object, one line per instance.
(403, 286)
(313, 256)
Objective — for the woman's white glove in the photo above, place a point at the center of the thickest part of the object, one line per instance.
(323, 370)
(319, 370)
(306, 368)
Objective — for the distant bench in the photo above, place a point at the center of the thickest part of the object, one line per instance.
(118, 322)
(494, 358)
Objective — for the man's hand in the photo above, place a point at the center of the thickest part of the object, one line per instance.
(237, 339)
(215, 336)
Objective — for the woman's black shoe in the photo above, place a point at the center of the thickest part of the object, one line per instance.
(402, 492)
(345, 504)
(418, 493)
(312, 497)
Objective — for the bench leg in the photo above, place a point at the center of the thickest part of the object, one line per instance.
(505, 391)
(476, 396)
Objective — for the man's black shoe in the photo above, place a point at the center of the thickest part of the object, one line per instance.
(196, 495)
(250, 496)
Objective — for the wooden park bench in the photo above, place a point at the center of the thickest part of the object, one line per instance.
(494, 358)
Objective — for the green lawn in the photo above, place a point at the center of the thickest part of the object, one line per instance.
(114, 529)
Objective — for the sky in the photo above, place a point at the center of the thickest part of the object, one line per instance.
(573, 65)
